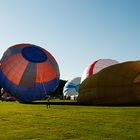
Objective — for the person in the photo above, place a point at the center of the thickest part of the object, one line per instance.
(48, 102)
(2, 93)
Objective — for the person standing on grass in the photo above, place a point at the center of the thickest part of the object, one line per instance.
(48, 102)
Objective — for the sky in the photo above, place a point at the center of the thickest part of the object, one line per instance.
(75, 32)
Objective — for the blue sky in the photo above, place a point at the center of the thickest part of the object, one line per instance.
(75, 32)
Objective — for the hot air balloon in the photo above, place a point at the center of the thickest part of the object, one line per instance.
(97, 66)
(115, 85)
(28, 72)
(71, 88)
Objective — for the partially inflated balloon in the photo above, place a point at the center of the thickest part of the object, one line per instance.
(71, 88)
(29, 72)
(97, 66)
(115, 85)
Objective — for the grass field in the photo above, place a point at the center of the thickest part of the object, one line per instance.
(68, 122)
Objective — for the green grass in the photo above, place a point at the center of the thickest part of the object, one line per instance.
(67, 122)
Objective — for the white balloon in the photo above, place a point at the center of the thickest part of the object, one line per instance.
(71, 88)
(97, 66)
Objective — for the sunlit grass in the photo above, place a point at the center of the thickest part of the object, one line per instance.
(62, 122)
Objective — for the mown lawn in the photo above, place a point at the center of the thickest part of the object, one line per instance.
(63, 122)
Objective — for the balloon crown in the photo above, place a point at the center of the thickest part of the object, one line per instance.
(34, 54)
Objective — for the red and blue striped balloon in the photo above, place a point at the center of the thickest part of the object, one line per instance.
(29, 72)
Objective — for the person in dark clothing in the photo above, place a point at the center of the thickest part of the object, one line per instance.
(48, 103)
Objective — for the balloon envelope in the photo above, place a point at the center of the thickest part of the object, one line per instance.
(97, 66)
(28, 72)
(71, 88)
(115, 85)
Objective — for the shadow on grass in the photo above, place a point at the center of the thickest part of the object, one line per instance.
(55, 103)
(77, 104)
